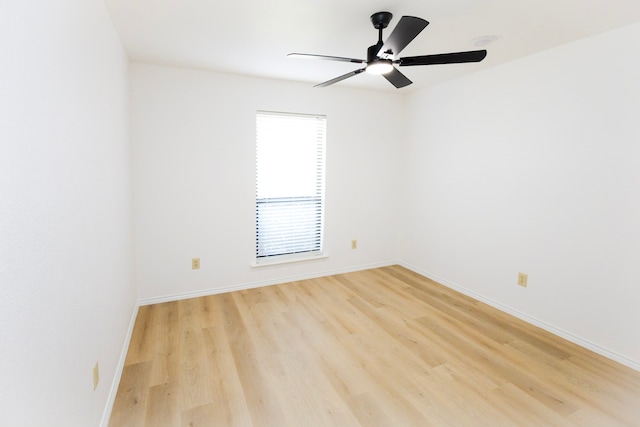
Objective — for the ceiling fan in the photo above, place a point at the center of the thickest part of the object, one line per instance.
(381, 56)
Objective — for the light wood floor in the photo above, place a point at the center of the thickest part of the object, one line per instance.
(383, 347)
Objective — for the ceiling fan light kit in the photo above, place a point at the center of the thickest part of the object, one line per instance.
(382, 56)
(379, 66)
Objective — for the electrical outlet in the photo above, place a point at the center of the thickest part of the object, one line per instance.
(522, 280)
(195, 263)
(96, 375)
(354, 244)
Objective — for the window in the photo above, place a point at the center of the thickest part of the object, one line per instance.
(290, 151)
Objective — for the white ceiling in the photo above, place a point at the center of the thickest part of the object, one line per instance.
(253, 37)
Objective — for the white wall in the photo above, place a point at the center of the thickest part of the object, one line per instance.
(534, 167)
(66, 270)
(194, 172)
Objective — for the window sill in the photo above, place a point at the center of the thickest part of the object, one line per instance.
(288, 260)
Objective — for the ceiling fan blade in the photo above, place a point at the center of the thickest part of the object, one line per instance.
(325, 57)
(407, 29)
(444, 58)
(397, 79)
(339, 79)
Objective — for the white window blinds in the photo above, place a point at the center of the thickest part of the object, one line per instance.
(290, 151)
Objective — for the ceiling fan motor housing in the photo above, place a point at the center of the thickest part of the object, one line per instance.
(372, 52)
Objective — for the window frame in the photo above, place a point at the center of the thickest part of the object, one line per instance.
(314, 203)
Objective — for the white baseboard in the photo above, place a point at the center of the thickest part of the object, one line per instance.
(116, 378)
(633, 364)
(259, 284)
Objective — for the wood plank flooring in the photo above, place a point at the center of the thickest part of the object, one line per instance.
(382, 347)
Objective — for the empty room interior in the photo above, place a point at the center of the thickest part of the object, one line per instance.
(476, 234)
